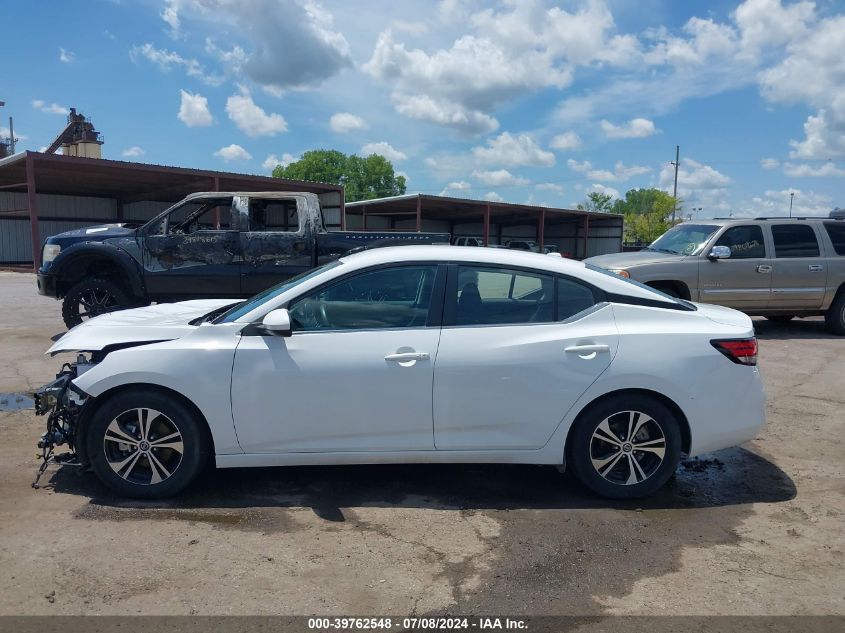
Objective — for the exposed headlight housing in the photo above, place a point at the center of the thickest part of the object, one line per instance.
(621, 272)
(50, 252)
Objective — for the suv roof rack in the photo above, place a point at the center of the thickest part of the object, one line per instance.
(783, 218)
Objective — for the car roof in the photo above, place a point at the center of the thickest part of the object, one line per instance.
(758, 220)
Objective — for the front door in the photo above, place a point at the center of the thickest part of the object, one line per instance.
(356, 375)
(744, 280)
(799, 278)
(513, 359)
(277, 244)
(194, 251)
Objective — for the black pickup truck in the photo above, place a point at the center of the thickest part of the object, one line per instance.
(208, 245)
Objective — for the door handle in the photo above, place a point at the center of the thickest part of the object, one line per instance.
(404, 357)
(816, 268)
(587, 349)
(764, 268)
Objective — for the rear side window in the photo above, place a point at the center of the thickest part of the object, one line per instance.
(497, 296)
(836, 231)
(273, 215)
(745, 242)
(795, 240)
(572, 298)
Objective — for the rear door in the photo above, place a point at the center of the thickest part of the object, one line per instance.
(799, 275)
(517, 349)
(277, 242)
(742, 281)
(194, 251)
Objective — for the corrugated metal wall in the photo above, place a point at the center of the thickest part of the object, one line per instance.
(56, 215)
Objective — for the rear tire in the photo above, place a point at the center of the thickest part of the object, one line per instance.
(92, 297)
(145, 444)
(603, 445)
(835, 316)
(780, 318)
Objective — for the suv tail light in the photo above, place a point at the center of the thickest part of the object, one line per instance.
(742, 351)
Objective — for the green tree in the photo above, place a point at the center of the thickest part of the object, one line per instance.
(596, 201)
(648, 213)
(364, 178)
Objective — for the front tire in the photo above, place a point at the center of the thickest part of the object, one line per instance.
(92, 297)
(835, 317)
(146, 444)
(625, 447)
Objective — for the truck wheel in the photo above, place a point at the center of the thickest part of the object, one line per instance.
(146, 444)
(625, 447)
(667, 289)
(92, 297)
(835, 317)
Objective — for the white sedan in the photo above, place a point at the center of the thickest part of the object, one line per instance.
(411, 354)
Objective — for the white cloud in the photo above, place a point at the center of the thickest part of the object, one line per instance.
(170, 14)
(385, 149)
(251, 119)
(599, 188)
(620, 172)
(582, 167)
(135, 150)
(4, 133)
(803, 170)
(288, 43)
(233, 152)
(344, 122)
(66, 56)
(549, 186)
(635, 128)
(513, 151)
(168, 60)
(775, 203)
(694, 179)
(456, 187)
(272, 161)
(492, 196)
(769, 163)
(499, 178)
(193, 110)
(53, 108)
(444, 112)
(566, 141)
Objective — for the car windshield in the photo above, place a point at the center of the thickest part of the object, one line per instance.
(240, 309)
(684, 239)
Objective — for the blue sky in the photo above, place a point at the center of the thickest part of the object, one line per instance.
(526, 101)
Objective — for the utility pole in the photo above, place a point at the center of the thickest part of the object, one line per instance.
(11, 136)
(791, 196)
(677, 164)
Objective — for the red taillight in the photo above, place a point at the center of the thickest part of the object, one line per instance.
(739, 350)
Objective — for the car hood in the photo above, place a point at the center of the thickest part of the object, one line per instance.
(637, 258)
(98, 233)
(162, 322)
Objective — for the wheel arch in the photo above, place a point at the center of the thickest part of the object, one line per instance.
(679, 286)
(92, 258)
(96, 402)
(686, 434)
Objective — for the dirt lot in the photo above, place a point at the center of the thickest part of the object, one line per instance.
(753, 530)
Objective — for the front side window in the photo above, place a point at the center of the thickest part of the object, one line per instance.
(273, 215)
(745, 242)
(204, 215)
(386, 298)
(795, 240)
(496, 296)
(683, 239)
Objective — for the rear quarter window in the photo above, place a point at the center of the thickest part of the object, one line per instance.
(836, 231)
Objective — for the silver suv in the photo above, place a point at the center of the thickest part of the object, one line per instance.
(776, 267)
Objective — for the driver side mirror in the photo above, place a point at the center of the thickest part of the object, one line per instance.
(277, 322)
(719, 252)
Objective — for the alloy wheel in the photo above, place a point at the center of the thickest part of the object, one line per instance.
(95, 302)
(627, 447)
(143, 446)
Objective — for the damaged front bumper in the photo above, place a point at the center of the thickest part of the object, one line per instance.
(63, 403)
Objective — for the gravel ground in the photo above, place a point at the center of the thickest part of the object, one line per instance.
(752, 530)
